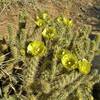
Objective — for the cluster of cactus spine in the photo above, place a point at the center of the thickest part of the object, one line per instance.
(55, 66)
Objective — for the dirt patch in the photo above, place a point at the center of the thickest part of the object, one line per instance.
(9, 15)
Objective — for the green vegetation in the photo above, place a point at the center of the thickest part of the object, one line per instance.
(52, 62)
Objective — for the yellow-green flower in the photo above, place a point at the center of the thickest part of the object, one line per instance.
(42, 19)
(36, 48)
(45, 16)
(59, 19)
(39, 22)
(49, 33)
(69, 60)
(84, 66)
(67, 22)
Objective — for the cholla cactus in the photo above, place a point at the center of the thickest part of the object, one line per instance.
(53, 63)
